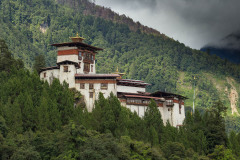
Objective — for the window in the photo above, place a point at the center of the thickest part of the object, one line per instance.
(92, 57)
(87, 56)
(180, 107)
(82, 85)
(91, 94)
(91, 68)
(104, 86)
(86, 67)
(65, 68)
(79, 55)
(91, 86)
(79, 64)
(45, 75)
(169, 102)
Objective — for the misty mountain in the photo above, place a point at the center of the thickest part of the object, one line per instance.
(227, 48)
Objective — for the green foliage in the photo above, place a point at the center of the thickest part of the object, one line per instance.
(221, 153)
(39, 63)
(38, 121)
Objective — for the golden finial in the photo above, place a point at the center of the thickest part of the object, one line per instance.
(120, 74)
(77, 38)
(117, 70)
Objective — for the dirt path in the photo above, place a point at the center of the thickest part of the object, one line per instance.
(233, 97)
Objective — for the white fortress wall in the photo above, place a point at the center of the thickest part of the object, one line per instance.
(49, 75)
(130, 89)
(68, 76)
(95, 91)
(73, 58)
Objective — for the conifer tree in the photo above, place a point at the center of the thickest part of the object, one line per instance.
(97, 113)
(43, 112)
(216, 133)
(3, 127)
(153, 118)
(234, 144)
(54, 116)
(14, 116)
(154, 136)
(39, 63)
(29, 114)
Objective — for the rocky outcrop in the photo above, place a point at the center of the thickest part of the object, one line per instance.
(233, 96)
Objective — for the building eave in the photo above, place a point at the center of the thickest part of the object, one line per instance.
(78, 44)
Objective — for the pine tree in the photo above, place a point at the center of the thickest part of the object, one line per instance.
(54, 116)
(39, 63)
(43, 112)
(215, 126)
(153, 136)
(14, 116)
(153, 118)
(29, 114)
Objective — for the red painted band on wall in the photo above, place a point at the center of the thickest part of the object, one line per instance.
(68, 52)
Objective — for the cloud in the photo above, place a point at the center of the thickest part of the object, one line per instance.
(193, 22)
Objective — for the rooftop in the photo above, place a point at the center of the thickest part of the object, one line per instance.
(77, 41)
(165, 94)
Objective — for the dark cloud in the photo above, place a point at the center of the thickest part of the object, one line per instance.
(193, 22)
(231, 41)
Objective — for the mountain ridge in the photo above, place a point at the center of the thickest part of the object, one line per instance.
(90, 8)
(226, 48)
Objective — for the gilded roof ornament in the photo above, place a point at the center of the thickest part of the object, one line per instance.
(77, 38)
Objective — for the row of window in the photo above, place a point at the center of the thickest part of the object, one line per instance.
(86, 67)
(86, 56)
(104, 86)
(137, 101)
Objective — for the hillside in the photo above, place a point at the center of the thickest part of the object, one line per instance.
(30, 26)
(38, 121)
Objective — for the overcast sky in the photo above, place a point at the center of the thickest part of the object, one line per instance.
(193, 22)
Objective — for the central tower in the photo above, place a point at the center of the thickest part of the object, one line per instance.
(78, 52)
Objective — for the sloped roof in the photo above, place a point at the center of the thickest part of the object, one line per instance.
(78, 44)
(166, 94)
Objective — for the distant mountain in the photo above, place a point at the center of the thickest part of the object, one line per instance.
(227, 48)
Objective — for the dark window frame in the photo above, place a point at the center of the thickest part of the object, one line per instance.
(91, 85)
(65, 68)
(104, 86)
(82, 85)
(90, 94)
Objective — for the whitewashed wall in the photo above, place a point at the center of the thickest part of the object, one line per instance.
(73, 58)
(170, 114)
(97, 89)
(50, 75)
(140, 110)
(129, 89)
(69, 76)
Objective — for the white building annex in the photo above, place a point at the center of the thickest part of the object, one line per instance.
(76, 66)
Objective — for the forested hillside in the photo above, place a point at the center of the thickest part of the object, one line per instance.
(38, 121)
(29, 26)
